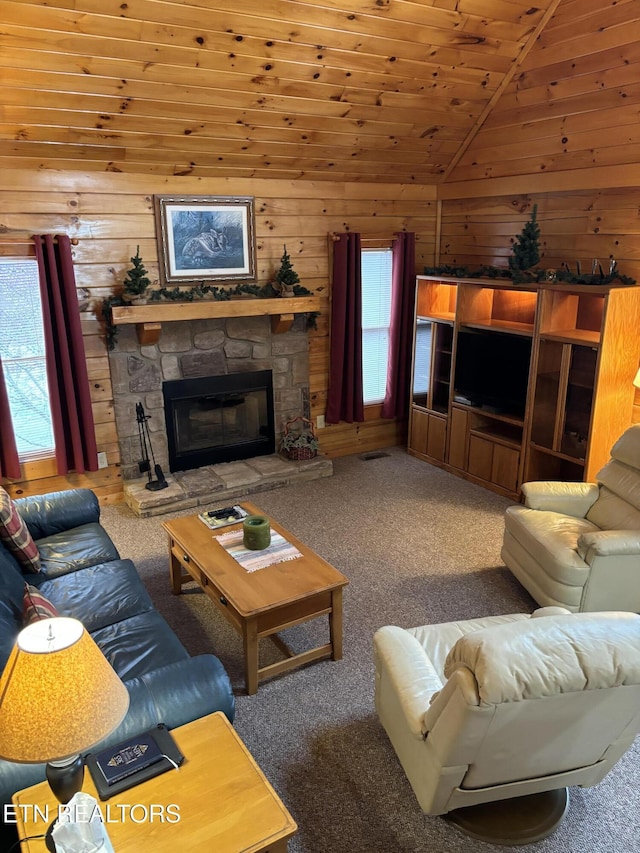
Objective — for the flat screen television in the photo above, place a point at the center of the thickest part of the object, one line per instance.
(492, 371)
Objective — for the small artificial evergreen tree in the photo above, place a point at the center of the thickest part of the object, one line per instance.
(136, 282)
(286, 276)
(526, 247)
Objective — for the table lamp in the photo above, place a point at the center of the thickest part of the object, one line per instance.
(59, 696)
(636, 381)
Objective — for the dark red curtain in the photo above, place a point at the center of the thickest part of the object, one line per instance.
(344, 401)
(403, 289)
(73, 428)
(9, 462)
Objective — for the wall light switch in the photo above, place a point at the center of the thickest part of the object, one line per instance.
(320, 422)
(102, 460)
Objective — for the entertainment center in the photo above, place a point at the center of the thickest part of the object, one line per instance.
(520, 382)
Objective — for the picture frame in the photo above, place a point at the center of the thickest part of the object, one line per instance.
(205, 238)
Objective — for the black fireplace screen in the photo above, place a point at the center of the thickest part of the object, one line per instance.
(214, 419)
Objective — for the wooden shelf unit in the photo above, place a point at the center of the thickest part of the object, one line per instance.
(579, 395)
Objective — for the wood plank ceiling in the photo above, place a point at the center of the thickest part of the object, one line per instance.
(364, 90)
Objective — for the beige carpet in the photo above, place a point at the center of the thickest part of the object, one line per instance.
(418, 545)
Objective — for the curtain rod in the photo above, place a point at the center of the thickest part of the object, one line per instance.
(380, 241)
(73, 240)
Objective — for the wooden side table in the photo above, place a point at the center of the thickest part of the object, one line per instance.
(223, 799)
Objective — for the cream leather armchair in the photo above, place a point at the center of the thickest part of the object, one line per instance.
(486, 710)
(577, 545)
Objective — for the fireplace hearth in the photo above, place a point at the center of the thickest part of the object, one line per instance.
(212, 419)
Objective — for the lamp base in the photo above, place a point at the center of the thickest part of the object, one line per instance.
(65, 777)
(513, 822)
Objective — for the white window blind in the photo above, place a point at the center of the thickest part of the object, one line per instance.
(23, 357)
(376, 317)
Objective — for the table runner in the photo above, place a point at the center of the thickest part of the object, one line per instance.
(278, 552)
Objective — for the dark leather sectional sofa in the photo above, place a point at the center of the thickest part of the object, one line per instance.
(84, 577)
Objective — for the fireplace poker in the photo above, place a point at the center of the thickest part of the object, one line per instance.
(146, 447)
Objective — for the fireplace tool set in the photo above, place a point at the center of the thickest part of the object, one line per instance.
(144, 464)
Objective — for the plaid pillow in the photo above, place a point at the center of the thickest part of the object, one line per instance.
(35, 606)
(15, 535)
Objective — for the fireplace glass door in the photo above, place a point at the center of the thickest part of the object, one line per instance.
(216, 419)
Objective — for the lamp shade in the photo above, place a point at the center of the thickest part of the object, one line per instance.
(59, 695)
(636, 381)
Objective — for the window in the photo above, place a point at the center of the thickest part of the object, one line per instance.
(376, 318)
(23, 357)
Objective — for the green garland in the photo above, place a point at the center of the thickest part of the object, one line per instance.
(198, 291)
(532, 276)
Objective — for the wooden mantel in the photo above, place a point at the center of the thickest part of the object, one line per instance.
(149, 318)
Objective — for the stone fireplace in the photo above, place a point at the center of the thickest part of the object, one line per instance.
(192, 349)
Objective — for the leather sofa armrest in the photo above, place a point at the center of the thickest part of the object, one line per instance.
(609, 543)
(176, 694)
(413, 677)
(59, 511)
(575, 499)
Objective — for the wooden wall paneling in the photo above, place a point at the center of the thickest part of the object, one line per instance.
(110, 215)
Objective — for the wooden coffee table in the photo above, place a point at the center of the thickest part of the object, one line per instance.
(261, 603)
(222, 798)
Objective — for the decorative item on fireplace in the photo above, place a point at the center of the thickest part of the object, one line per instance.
(299, 440)
(145, 448)
(286, 277)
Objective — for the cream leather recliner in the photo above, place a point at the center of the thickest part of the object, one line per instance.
(577, 545)
(486, 710)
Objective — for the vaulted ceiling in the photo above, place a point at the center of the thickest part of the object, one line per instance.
(346, 90)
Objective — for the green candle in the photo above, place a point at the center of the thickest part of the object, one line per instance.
(256, 532)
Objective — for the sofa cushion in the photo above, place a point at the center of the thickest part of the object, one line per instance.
(71, 550)
(139, 644)
(11, 593)
(99, 595)
(12, 580)
(36, 606)
(57, 511)
(10, 627)
(15, 535)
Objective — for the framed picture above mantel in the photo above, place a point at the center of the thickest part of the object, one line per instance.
(205, 238)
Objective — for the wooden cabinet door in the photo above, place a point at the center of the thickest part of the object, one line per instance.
(504, 467)
(458, 438)
(419, 431)
(436, 438)
(480, 457)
